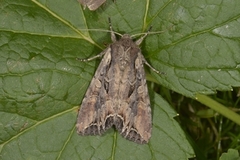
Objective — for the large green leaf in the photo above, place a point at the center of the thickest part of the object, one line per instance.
(42, 83)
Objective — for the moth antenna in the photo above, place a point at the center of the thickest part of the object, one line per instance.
(158, 32)
(139, 41)
(138, 34)
(102, 30)
(113, 36)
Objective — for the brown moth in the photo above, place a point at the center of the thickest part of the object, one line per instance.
(92, 4)
(118, 94)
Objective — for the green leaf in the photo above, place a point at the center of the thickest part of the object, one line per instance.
(230, 155)
(42, 83)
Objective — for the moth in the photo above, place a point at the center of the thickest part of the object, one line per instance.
(92, 4)
(118, 94)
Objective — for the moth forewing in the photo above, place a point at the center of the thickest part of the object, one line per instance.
(88, 116)
(118, 95)
(144, 118)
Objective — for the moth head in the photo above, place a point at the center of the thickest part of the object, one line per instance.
(126, 36)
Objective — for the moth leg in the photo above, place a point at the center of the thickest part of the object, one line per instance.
(139, 41)
(113, 36)
(151, 67)
(92, 58)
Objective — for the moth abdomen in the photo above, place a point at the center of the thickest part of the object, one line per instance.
(118, 123)
(109, 122)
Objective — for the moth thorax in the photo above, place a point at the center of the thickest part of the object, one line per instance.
(124, 59)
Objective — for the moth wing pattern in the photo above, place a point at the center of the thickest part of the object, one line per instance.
(137, 120)
(89, 118)
(92, 4)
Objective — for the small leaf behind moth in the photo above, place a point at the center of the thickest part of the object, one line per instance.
(92, 4)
